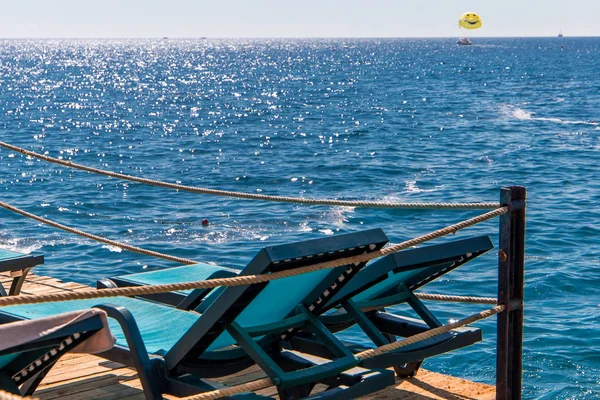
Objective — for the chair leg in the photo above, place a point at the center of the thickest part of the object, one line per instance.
(407, 370)
(17, 283)
(288, 365)
(150, 371)
(296, 392)
(7, 384)
(32, 384)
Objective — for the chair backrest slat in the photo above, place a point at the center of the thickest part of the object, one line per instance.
(413, 268)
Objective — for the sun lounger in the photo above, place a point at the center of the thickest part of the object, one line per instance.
(18, 264)
(392, 281)
(389, 281)
(175, 351)
(29, 348)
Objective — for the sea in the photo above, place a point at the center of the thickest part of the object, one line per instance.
(406, 120)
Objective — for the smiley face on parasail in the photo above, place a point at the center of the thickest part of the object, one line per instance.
(470, 20)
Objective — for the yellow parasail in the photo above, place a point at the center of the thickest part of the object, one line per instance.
(470, 20)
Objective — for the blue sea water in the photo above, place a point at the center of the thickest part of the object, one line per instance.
(398, 120)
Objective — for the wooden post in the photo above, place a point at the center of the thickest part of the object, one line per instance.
(511, 268)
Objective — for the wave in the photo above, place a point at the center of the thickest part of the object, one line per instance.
(14, 245)
(28, 245)
(524, 115)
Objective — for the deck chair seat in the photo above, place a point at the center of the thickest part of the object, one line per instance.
(158, 336)
(174, 350)
(18, 264)
(200, 271)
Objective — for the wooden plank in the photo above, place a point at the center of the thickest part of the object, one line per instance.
(113, 392)
(431, 385)
(111, 378)
(76, 372)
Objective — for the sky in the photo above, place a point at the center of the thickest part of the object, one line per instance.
(293, 18)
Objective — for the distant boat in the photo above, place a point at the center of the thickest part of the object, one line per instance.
(560, 34)
(463, 41)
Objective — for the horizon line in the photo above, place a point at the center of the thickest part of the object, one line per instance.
(283, 37)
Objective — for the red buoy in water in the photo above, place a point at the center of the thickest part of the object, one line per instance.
(204, 222)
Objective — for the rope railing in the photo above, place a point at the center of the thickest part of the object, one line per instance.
(251, 279)
(97, 238)
(255, 196)
(187, 261)
(497, 210)
(371, 353)
(457, 299)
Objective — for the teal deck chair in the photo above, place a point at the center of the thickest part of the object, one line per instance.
(177, 351)
(18, 264)
(23, 365)
(386, 282)
(389, 282)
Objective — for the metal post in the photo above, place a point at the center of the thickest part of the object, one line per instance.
(511, 268)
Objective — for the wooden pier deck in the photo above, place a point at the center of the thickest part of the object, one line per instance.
(82, 376)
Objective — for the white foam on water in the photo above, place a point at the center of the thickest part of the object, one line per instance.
(338, 216)
(326, 231)
(304, 227)
(412, 187)
(28, 245)
(392, 198)
(515, 112)
(111, 248)
(14, 245)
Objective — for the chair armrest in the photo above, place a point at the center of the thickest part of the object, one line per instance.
(20, 263)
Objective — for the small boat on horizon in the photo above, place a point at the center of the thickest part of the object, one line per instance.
(464, 42)
(560, 34)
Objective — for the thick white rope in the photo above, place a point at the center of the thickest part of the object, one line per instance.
(251, 279)
(457, 299)
(255, 196)
(97, 238)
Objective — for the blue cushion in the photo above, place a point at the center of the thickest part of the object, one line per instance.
(161, 326)
(7, 254)
(186, 273)
(276, 302)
